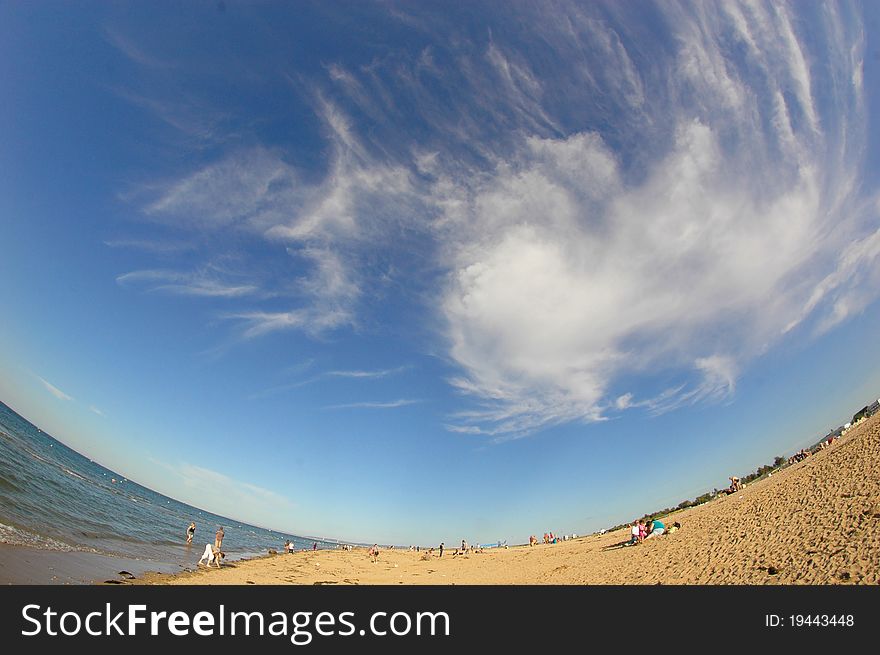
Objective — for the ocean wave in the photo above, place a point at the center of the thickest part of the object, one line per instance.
(33, 454)
(76, 475)
(21, 537)
(129, 539)
(8, 485)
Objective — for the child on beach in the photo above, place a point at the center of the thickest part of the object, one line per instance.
(190, 531)
(211, 554)
(634, 534)
(643, 531)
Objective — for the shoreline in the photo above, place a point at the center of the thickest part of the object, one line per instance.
(814, 522)
(25, 565)
(20, 564)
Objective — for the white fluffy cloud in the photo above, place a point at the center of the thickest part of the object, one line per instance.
(568, 278)
(580, 264)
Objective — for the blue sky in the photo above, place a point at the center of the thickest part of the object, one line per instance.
(410, 272)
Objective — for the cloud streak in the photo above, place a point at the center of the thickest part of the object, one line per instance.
(223, 494)
(328, 375)
(380, 373)
(151, 246)
(391, 404)
(55, 391)
(186, 284)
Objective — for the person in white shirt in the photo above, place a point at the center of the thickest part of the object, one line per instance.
(211, 554)
(634, 531)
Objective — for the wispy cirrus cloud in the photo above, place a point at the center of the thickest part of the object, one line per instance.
(581, 232)
(188, 284)
(151, 246)
(376, 404)
(378, 373)
(51, 388)
(246, 187)
(569, 276)
(320, 225)
(339, 374)
(310, 320)
(134, 51)
(201, 124)
(61, 395)
(224, 494)
(857, 269)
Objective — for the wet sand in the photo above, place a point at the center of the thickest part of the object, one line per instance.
(24, 565)
(816, 522)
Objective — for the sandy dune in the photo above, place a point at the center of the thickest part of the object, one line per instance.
(816, 522)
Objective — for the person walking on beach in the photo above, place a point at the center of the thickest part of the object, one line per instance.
(190, 532)
(218, 538)
(441, 549)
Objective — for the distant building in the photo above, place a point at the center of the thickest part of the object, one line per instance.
(866, 411)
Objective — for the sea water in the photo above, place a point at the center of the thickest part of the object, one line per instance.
(52, 498)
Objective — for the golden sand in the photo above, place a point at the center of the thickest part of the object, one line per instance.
(816, 522)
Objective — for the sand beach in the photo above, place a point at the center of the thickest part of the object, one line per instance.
(815, 522)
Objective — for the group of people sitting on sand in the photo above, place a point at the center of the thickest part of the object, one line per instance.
(428, 553)
(799, 456)
(550, 538)
(642, 530)
(735, 485)
(467, 548)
